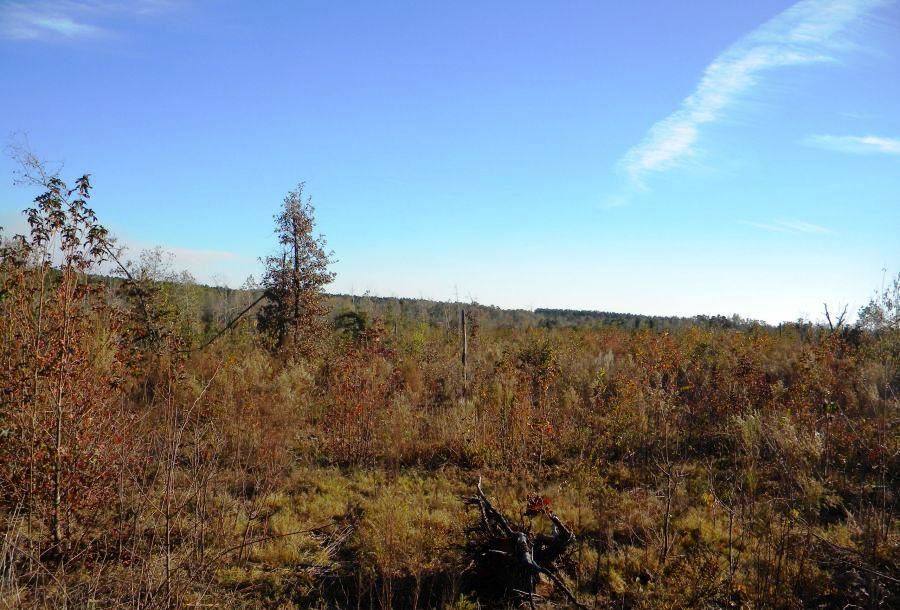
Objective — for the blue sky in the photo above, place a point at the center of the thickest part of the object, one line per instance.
(654, 157)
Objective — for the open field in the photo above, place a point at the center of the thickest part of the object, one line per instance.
(608, 316)
(150, 461)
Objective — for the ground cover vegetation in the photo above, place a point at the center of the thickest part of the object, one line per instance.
(169, 445)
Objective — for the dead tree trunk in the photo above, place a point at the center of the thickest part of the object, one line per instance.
(465, 352)
(507, 562)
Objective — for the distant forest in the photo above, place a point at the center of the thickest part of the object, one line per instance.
(216, 304)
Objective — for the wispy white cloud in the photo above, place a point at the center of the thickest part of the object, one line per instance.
(858, 145)
(68, 19)
(788, 226)
(21, 21)
(808, 32)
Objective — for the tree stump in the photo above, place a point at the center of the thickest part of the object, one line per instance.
(504, 561)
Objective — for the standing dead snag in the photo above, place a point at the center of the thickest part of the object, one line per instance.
(504, 560)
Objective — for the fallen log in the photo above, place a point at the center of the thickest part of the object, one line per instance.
(504, 560)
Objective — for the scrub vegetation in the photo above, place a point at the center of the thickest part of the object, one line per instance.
(169, 445)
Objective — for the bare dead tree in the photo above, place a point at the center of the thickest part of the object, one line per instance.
(837, 324)
(465, 351)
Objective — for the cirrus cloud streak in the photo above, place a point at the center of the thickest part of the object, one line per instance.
(807, 33)
(49, 20)
(857, 145)
(788, 226)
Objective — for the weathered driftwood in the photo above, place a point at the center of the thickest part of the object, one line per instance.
(505, 560)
